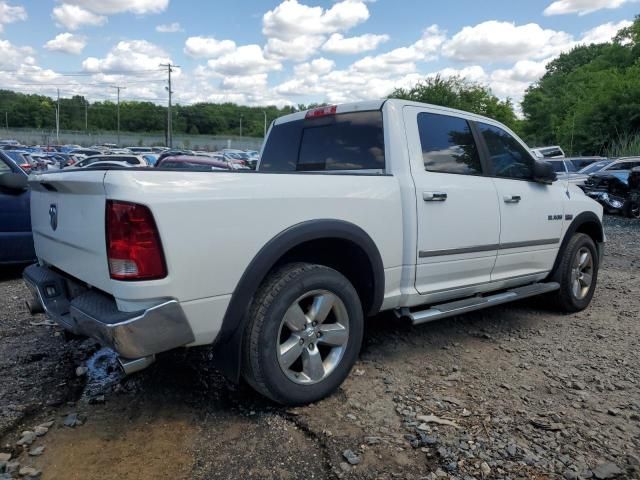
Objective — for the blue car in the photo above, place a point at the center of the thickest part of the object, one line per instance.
(16, 239)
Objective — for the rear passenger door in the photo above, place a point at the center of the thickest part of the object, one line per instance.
(457, 207)
(531, 213)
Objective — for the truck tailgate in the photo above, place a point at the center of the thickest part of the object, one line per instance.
(68, 221)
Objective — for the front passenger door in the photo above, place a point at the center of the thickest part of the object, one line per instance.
(531, 213)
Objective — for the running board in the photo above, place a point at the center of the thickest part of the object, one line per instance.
(466, 305)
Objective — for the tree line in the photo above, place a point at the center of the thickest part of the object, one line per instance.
(20, 110)
(588, 102)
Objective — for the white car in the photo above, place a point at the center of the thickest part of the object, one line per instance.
(566, 170)
(354, 209)
(129, 160)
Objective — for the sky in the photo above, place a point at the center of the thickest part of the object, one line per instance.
(287, 52)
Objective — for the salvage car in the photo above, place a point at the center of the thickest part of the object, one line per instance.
(616, 190)
(387, 205)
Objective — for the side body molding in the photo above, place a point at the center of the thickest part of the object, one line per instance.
(228, 345)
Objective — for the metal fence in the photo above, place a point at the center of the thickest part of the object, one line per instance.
(130, 139)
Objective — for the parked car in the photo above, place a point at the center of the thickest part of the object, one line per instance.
(548, 152)
(595, 167)
(140, 150)
(582, 162)
(21, 158)
(384, 205)
(627, 163)
(566, 170)
(86, 151)
(16, 240)
(130, 160)
(618, 191)
(190, 162)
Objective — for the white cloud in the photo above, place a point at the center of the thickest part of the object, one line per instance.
(67, 43)
(297, 49)
(291, 19)
(604, 33)
(12, 56)
(245, 83)
(208, 47)
(133, 55)
(111, 7)
(11, 14)
(74, 17)
(495, 41)
(244, 60)
(169, 28)
(581, 7)
(318, 66)
(339, 44)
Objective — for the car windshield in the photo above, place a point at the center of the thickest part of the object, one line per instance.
(571, 168)
(595, 167)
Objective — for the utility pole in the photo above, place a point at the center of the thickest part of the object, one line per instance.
(58, 119)
(118, 88)
(240, 125)
(169, 68)
(6, 120)
(86, 115)
(265, 123)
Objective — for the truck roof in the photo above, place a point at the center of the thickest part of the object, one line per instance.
(368, 105)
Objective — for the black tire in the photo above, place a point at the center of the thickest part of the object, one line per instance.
(566, 298)
(279, 291)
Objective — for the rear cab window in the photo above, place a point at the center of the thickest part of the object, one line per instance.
(347, 142)
(448, 145)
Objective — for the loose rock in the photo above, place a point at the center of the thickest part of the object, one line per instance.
(351, 457)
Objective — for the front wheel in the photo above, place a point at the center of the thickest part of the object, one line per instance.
(304, 334)
(577, 274)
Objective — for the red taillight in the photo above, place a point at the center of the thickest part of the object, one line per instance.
(133, 243)
(321, 112)
(26, 167)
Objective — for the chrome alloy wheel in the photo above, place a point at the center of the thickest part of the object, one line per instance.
(313, 337)
(582, 273)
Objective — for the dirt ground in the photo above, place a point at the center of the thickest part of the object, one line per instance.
(518, 391)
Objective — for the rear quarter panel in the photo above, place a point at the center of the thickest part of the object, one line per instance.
(213, 224)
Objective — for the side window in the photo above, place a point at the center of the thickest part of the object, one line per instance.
(448, 145)
(4, 168)
(510, 159)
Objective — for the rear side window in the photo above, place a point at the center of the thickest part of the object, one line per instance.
(509, 158)
(448, 145)
(347, 141)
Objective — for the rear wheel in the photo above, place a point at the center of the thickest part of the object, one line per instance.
(632, 209)
(304, 334)
(577, 274)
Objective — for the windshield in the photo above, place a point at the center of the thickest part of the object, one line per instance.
(595, 167)
(558, 167)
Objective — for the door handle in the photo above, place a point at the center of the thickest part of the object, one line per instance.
(434, 196)
(512, 198)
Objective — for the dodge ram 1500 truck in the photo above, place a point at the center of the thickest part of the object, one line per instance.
(354, 209)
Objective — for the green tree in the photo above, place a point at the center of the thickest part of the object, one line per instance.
(456, 92)
(589, 97)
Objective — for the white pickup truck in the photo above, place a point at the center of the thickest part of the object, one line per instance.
(354, 209)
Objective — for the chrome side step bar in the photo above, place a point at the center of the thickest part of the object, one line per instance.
(458, 307)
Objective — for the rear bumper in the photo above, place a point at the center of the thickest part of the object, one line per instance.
(94, 314)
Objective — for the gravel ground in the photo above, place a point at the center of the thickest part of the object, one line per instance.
(518, 391)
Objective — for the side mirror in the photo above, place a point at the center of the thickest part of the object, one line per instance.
(13, 181)
(543, 172)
